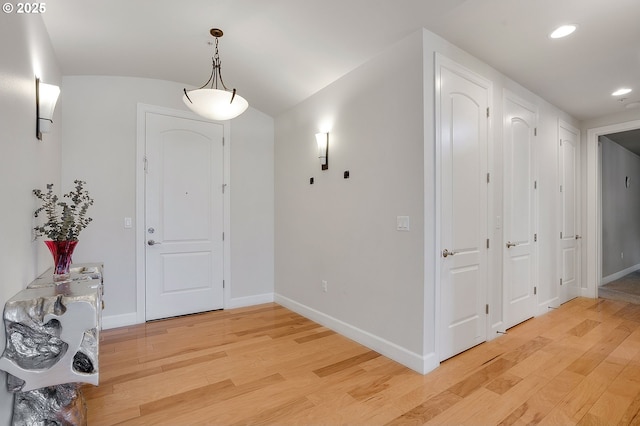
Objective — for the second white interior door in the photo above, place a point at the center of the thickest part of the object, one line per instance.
(519, 247)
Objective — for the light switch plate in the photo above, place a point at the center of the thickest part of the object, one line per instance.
(402, 223)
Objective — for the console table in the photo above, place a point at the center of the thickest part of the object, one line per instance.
(52, 332)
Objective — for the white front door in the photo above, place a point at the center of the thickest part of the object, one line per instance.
(183, 216)
(462, 135)
(519, 211)
(570, 238)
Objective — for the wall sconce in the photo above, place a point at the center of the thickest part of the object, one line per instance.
(46, 98)
(323, 149)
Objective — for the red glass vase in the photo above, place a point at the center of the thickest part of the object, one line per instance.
(61, 252)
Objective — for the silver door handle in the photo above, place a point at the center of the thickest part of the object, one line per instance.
(578, 237)
(446, 253)
(510, 244)
(152, 242)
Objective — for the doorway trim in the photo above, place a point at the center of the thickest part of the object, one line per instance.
(140, 238)
(594, 251)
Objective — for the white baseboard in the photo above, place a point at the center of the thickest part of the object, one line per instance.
(620, 274)
(115, 321)
(124, 320)
(412, 360)
(241, 302)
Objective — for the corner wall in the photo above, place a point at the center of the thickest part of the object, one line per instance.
(25, 162)
(343, 231)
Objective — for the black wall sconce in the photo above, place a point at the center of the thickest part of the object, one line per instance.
(46, 98)
(322, 140)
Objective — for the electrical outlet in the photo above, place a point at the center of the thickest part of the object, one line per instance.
(324, 286)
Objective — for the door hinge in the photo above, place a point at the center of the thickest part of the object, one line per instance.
(486, 309)
(560, 234)
(488, 177)
(146, 164)
(560, 142)
(223, 236)
(487, 112)
(535, 131)
(223, 141)
(560, 281)
(535, 238)
(560, 188)
(487, 243)
(224, 185)
(222, 283)
(535, 290)
(535, 184)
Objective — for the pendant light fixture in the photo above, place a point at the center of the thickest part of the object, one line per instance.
(211, 101)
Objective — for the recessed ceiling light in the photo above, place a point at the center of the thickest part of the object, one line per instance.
(563, 31)
(621, 92)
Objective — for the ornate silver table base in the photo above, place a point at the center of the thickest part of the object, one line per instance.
(54, 405)
(52, 334)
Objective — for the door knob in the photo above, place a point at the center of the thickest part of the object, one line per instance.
(446, 253)
(152, 242)
(510, 244)
(578, 237)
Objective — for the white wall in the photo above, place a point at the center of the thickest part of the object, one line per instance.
(25, 162)
(343, 231)
(99, 134)
(252, 209)
(620, 208)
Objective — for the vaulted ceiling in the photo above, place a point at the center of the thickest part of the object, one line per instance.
(279, 52)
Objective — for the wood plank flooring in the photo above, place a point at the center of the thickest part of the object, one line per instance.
(577, 365)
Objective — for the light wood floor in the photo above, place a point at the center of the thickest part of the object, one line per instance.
(579, 364)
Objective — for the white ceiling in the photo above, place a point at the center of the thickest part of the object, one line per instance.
(279, 52)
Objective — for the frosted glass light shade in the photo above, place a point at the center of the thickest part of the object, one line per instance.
(48, 99)
(322, 139)
(215, 104)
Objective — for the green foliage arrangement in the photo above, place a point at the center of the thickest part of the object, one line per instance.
(64, 220)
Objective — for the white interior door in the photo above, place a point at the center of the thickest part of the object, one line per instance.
(462, 128)
(570, 239)
(519, 211)
(183, 216)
